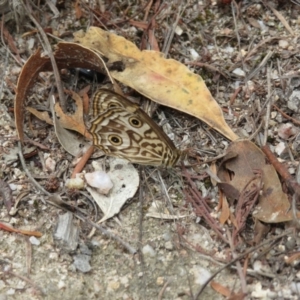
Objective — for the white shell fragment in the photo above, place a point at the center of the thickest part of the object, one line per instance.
(99, 180)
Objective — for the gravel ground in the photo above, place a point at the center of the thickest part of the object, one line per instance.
(232, 46)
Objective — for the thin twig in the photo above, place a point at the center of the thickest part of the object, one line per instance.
(238, 264)
(50, 53)
(233, 3)
(165, 191)
(260, 66)
(259, 45)
(268, 112)
(34, 182)
(280, 17)
(161, 293)
(28, 256)
(289, 231)
(254, 134)
(171, 32)
(291, 183)
(109, 234)
(296, 122)
(81, 164)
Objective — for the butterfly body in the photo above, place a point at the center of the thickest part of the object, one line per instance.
(120, 128)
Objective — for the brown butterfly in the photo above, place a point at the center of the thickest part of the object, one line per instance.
(120, 128)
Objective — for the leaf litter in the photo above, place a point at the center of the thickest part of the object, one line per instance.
(244, 113)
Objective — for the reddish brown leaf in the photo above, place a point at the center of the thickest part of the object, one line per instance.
(67, 55)
(237, 171)
(219, 288)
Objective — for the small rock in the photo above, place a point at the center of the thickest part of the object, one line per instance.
(81, 262)
(290, 243)
(160, 281)
(50, 164)
(169, 245)
(113, 285)
(285, 131)
(178, 30)
(295, 286)
(34, 241)
(84, 249)
(148, 250)
(166, 236)
(53, 255)
(294, 101)
(280, 147)
(11, 292)
(194, 54)
(283, 44)
(61, 284)
(239, 72)
(201, 275)
(67, 232)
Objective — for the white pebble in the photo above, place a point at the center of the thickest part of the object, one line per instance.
(201, 275)
(50, 164)
(194, 54)
(148, 250)
(295, 287)
(283, 44)
(34, 241)
(239, 72)
(280, 147)
(99, 180)
(178, 30)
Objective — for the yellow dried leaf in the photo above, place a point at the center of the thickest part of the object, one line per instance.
(165, 81)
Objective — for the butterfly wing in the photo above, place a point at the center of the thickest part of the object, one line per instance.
(120, 128)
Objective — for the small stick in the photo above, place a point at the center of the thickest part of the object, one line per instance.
(50, 53)
(283, 172)
(35, 183)
(240, 257)
(80, 165)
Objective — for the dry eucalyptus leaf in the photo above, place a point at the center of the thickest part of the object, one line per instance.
(165, 81)
(74, 121)
(225, 212)
(42, 115)
(72, 143)
(125, 179)
(236, 172)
